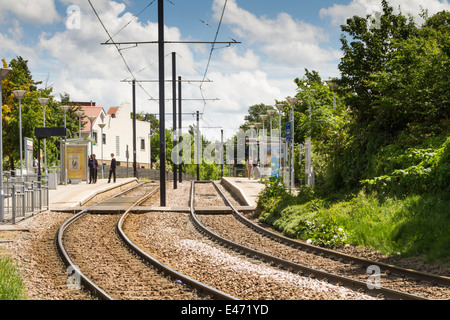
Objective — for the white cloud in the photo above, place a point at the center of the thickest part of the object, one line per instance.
(284, 40)
(12, 46)
(242, 76)
(339, 13)
(231, 58)
(88, 70)
(40, 12)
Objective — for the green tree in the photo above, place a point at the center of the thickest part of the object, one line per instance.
(367, 52)
(20, 78)
(414, 88)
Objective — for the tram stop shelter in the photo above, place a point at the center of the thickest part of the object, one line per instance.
(74, 160)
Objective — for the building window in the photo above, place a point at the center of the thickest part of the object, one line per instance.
(117, 146)
(94, 136)
(104, 138)
(142, 144)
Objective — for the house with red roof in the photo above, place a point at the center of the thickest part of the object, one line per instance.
(116, 136)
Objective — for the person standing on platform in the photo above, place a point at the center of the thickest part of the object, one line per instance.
(95, 166)
(112, 168)
(91, 168)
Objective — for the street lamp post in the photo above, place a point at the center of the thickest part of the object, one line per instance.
(91, 119)
(263, 118)
(271, 113)
(258, 126)
(150, 166)
(292, 102)
(65, 109)
(80, 115)
(101, 125)
(279, 107)
(250, 151)
(19, 94)
(43, 102)
(3, 74)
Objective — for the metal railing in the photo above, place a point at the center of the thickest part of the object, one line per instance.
(23, 197)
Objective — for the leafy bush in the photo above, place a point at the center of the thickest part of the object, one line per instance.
(299, 217)
(429, 170)
(274, 197)
(322, 234)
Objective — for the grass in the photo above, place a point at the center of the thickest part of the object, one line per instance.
(414, 225)
(11, 284)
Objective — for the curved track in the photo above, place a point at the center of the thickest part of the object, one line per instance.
(97, 251)
(327, 264)
(171, 237)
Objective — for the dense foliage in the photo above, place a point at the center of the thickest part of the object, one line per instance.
(381, 142)
(20, 78)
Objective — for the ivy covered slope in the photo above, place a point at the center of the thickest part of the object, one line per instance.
(381, 151)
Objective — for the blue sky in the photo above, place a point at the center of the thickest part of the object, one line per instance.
(279, 40)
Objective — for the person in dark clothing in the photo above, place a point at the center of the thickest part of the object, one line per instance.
(112, 168)
(95, 166)
(91, 169)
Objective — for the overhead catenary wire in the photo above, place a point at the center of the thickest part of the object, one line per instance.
(137, 16)
(212, 50)
(117, 47)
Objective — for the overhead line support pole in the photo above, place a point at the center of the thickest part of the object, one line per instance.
(134, 131)
(180, 168)
(174, 97)
(162, 118)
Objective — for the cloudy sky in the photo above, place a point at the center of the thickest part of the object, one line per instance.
(279, 39)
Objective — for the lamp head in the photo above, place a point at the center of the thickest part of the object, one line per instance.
(279, 106)
(79, 113)
(64, 108)
(43, 101)
(19, 94)
(292, 101)
(4, 73)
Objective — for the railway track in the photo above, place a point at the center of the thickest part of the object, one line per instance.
(104, 261)
(171, 237)
(388, 282)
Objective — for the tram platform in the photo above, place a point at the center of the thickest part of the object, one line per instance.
(73, 195)
(244, 188)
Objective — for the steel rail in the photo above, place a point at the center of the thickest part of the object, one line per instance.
(173, 273)
(295, 267)
(84, 280)
(96, 290)
(335, 255)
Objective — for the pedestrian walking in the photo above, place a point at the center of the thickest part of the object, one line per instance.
(95, 166)
(249, 167)
(91, 168)
(112, 168)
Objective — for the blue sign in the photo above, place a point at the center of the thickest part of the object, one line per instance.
(288, 132)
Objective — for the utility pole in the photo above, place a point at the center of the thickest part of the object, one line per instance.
(180, 168)
(162, 116)
(174, 100)
(161, 41)
(134, 131)
(221, 152)
(199, 146)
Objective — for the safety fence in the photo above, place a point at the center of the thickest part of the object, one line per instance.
(22, 197)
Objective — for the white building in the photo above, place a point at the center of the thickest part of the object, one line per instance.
(117, 135)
